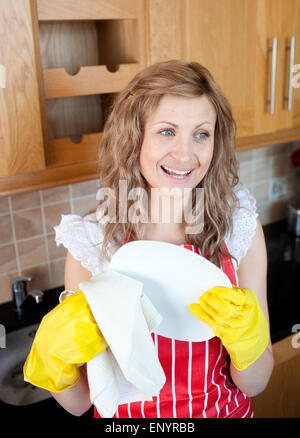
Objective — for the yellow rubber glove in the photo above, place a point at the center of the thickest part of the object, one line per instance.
(66, 337)
(237, 319)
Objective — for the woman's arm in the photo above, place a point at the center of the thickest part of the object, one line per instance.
(252, 274)
(75, 400)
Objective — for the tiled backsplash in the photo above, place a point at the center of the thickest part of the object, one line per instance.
(27, 245)
(258, 167)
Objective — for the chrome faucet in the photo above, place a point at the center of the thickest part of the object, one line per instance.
(20, 294)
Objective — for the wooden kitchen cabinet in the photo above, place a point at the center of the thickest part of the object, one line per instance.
(233, 39)
(296, 90)
(65, 60)
(281, 397)
(219, 34)
(276, 19)
(21, 134)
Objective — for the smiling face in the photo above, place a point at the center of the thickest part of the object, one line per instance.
(178, 142)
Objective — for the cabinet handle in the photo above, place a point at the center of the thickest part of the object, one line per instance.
(292, 56)
(273, 75)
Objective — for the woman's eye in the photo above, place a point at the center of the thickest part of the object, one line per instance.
(202, 135)
(166, 132)
(170, 132)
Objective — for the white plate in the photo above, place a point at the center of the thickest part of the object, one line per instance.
(173, 278)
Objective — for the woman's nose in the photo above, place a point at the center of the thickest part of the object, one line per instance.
(182, 149)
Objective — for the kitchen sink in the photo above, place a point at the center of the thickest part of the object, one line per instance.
(13, 389)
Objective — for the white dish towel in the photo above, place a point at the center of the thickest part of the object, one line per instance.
(129, 370)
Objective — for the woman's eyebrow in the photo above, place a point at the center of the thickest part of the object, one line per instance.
(176, 126)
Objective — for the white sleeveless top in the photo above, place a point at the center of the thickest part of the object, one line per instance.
(82, 237)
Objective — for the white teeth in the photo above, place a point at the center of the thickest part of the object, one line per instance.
(178, 177)
(177, 172)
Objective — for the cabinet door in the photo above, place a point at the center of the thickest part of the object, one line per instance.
(21, 137)
(296, 74)
(276, 24)
(280, 399)
(219, 34)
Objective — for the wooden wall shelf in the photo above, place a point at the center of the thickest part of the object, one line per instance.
(52, 176)
(87, 10)
(257, 141)
(88, 80)
(63, 151)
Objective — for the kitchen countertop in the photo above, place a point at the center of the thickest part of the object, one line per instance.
(283, 280)
(45, 409)
(33, 314)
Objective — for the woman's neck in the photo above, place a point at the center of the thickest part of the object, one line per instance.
(165, 220)
(171, 233)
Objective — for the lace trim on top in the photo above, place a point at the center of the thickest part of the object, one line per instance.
(82, 239)
(244, 226)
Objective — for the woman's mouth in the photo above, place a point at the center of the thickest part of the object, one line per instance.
(178, 175)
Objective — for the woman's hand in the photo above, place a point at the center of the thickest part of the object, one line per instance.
(237, 319)
(67, 336)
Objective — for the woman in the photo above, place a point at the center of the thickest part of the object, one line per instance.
(172, 127)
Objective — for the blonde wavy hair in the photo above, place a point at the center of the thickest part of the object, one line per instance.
(122, 139)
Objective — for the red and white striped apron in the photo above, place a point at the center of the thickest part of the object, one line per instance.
(198, 383)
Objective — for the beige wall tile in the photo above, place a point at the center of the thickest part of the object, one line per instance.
(8, 260)
(28, 223)
(53, 250)
(5, 289)
(290, 168)
(41, 278)
(87, 188)
(264, 214)
(280, 165)
(270, 151)
(262, 170)
(264, 152)
(243, 156)
(56, 194)
(57, 272)
(245, 173)
(53, 214)
(84, 205)
(280, 149)
(32, 252)
(4, 207)
(293, 185)
(272, 212)
(6, 234)
(26, 200)
(261, 191)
